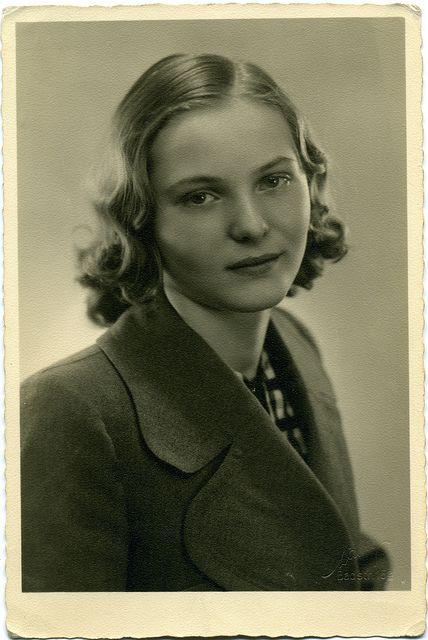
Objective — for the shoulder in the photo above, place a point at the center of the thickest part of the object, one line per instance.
(304, 351)
(78, 372)
(296, 326)
(84, 359)
(79, 390)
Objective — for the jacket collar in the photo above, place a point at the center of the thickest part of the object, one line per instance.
(161, 359)
(328, 456)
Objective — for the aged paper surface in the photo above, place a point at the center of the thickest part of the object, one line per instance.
(31, 343)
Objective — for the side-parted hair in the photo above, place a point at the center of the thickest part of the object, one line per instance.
(122, 266)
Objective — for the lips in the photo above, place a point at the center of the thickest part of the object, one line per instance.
(254, 261)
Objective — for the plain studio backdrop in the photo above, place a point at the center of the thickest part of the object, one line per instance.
(347, 75)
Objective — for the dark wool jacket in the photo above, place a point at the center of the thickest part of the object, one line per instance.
(148, 466)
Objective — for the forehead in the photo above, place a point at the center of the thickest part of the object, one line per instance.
(239, 135)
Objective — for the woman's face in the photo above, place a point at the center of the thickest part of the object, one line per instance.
(233, 205)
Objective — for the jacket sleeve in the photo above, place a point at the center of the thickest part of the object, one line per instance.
(73, 516)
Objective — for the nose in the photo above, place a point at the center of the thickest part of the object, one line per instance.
(247, 222)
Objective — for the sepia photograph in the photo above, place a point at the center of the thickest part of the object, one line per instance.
(209, 238)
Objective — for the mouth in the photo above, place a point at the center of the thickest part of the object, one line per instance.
(266, 258)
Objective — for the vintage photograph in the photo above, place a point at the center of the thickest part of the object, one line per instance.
(211, 251)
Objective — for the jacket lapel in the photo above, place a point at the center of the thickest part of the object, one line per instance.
(328, 455)
(169, 371)
(263, 520)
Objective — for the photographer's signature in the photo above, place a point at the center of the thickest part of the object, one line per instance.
(344, 573)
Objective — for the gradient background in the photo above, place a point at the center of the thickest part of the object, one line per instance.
(347, 75)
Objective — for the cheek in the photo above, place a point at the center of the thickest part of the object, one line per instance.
(295, 214)
(304, 207)
(178, 245)
(304, 199)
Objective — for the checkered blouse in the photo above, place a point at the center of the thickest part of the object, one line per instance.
(274, 398)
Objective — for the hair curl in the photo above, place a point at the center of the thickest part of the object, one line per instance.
(122, 266)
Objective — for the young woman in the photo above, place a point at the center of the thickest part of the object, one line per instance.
(197, 445)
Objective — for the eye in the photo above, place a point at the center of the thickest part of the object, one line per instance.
(197, 199)
(274, 181)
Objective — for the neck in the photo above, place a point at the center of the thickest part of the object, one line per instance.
(236, 337)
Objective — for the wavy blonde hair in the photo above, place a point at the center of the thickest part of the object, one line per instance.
(122, 265)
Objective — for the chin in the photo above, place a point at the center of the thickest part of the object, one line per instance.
(264, 301)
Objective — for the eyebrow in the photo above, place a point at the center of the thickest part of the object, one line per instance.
(203, 179)
(273, 163)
